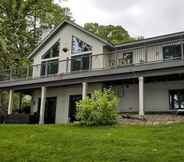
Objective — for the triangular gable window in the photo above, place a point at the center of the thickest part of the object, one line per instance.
(80, 47)
(52, 52)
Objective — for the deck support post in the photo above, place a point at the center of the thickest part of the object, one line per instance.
(182, 50)
(42, 106)
(84, 89)
(10, 102)
(141, 96)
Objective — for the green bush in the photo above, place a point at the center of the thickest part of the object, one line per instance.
(99, 109)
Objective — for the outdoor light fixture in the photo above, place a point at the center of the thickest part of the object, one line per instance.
(65, 49)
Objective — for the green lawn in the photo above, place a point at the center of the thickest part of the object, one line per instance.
(123, 143)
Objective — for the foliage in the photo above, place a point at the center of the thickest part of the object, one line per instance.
(99, 109)
(21, 25)
(114, 34)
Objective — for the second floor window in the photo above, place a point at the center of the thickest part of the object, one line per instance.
(79, 46)
(49, 62)
(172, 52)
(81, 54)
(52, 52)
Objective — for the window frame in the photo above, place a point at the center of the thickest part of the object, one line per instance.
(51, 48)
(171, 45)
(128, 53)
(50, 60)
(81, 56)
(80, 53)
(46, 72)
(172, 92)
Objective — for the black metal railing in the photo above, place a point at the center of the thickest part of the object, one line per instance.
(111, 60)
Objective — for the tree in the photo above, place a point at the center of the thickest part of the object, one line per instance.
(21, 26)
(114, 34)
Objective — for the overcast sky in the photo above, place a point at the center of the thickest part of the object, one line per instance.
(140, 17)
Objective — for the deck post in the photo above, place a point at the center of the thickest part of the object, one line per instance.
(27, 72)
(182, 50)
(11, 73)
(42, 106)
(141, 96)
(67, 64)
(10, 104)
(84, 89)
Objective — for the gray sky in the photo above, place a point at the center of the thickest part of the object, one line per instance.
(139, 17)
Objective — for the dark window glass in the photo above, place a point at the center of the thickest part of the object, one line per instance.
(85, 62)
(52, 52)
(50, 67)
(176, 99)
(172, 52)
(76, 63)
(78, 46)
(43, 69)
(80, 62)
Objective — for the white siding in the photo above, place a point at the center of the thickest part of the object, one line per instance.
(62, 94)
(154, 53)
(139, 56)
(156, 96)
(65, 37)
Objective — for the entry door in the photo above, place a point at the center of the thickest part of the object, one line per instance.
(72, 106)
(50, 110)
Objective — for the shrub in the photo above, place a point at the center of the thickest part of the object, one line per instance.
(99, 109)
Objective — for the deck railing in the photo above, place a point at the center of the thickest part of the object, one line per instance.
(77, 64)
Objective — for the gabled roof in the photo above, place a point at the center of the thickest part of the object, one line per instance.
(124, 45)
(171, 36)
(53, 32)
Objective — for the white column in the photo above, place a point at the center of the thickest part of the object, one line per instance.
(141, 96)
(10, 104)
(182, 50)
(42, 106)
(84, 89)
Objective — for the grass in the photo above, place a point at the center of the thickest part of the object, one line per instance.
(67, 143)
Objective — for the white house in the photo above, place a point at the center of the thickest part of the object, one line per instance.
(70, 63)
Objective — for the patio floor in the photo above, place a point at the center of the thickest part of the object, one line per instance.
(152, 119)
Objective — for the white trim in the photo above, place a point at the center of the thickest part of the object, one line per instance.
(82, 53)
(141, 96)
(171, 44)
(56, 30)
(50, 59)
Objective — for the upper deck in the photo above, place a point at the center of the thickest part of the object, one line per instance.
(149, 60)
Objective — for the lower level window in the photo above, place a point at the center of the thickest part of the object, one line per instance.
(176, 99)
(49, 67)
(81, 62)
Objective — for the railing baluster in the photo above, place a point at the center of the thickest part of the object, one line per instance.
(67, 64)
(11, 73)
(27, 74)
(90, 62)
(46, 69)
(182, 50)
